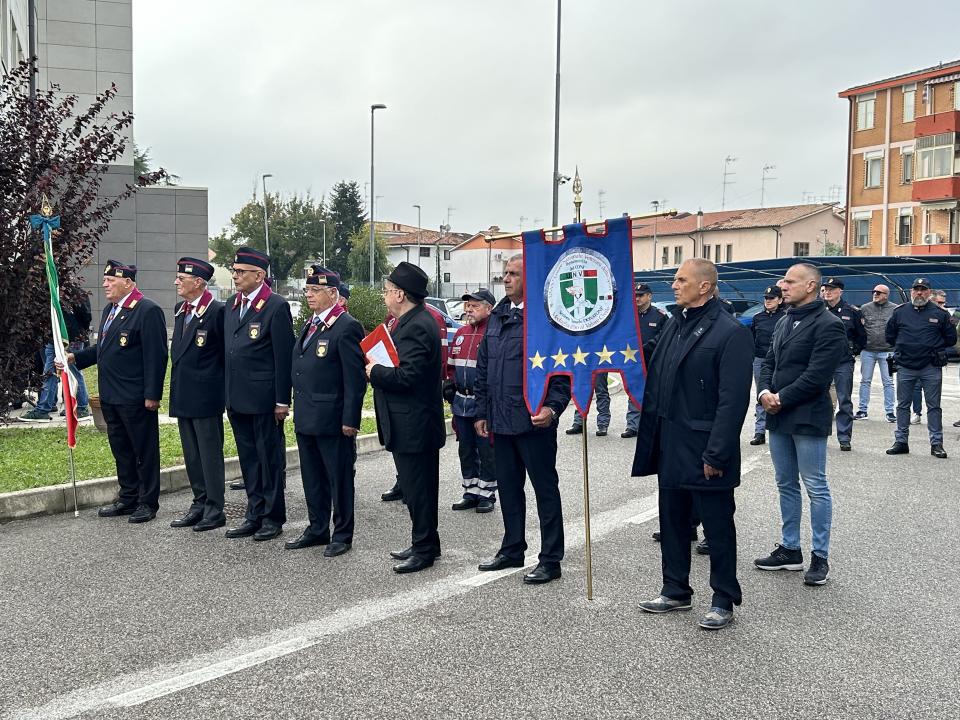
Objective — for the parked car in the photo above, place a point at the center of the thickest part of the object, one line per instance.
(439, 303)
(452, 326)
(294, 308)
(456, 311)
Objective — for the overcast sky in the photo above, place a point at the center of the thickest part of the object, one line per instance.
(654, 96)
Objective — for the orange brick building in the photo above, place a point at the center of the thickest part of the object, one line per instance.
(903, 164)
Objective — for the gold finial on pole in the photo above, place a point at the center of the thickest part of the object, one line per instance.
(46, 209)
(577, 189)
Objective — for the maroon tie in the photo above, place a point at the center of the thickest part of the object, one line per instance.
(187, 309)
(243, 307)
(312, 329)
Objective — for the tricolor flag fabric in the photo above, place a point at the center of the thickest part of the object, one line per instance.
(58, 326)
(579, 313)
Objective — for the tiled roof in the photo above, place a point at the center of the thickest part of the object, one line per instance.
(427, 237)
(925, 73)
(686, 223)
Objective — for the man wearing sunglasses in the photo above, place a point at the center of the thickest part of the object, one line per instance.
(876, 315)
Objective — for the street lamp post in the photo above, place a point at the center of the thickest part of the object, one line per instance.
(419, 234)
(373, 109)
(556, 130)
(266, 221)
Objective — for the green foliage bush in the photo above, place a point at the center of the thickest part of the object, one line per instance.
(366, 305)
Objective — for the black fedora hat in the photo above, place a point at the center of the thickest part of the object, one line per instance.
(409, 278)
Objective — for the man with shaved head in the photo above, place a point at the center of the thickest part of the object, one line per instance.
(794, 389)
(876, 314)
(694, 403)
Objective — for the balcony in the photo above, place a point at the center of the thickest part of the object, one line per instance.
(943, 188)
(944, 122)
(937, 249)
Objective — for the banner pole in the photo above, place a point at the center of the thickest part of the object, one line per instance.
(586, 512)
(73, 479)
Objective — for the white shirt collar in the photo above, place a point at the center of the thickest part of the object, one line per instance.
(325, 314)
(253, 294)
(124, 299)
(514, 306)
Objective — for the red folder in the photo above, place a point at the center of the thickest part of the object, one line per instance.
(379, 348)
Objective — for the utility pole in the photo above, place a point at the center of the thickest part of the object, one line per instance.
(419, 234)
(656, 209)
(727, 173)
(556, 130)
(763, 181)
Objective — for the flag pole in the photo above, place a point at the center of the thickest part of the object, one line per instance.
(586, 511)
(73, 479)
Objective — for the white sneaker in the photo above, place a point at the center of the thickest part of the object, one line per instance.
(915, 420)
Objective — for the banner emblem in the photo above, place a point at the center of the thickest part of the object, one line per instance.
(580, 291)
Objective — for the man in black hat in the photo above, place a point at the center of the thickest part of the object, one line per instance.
(651, 320)
(131, 360)
(460, 389)
(409, 409)
(258, 347)
(328, 388)
(832, 291)
(762, 328)
(196, 392)
(920, 333)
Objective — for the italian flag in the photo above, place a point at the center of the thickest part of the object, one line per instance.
(60, 341)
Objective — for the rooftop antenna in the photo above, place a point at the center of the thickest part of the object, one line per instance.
(763, 181)
(600, 194)
(727, 174)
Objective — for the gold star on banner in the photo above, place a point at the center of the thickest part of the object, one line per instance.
(559, 360)
(580, 357)
(606, 356)
(537, 360)
(629, 355)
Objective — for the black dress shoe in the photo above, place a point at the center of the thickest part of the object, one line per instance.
(655, 535)
(899, 448)
(237, 485)
(412, 564)
(845, 446)
(601, 432)
(245, 529)
(467, 503)
(208, 524)
(267, 532)
(392, 494)
(693, 535)
(188, 520)
(116, 509)
(759, 439)
(575, 430)
(500, 562)
(628, 434)
(957, 423)
(143, 513)
(336, 548)
(937, 451)
(304, 541)
(541, 574)
(485, 506)
(703, 548)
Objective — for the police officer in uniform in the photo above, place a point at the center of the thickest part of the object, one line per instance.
(196, 392)
(523, 444)
(856, 340)
(328, 388)
(131, 360)
(762, 329)
(651, 320)
(258, 349)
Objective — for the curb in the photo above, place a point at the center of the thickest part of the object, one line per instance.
(57, 499)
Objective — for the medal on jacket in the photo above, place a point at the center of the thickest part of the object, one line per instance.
(124, 338)
(322, 348)
(254, 331)
(201, 338)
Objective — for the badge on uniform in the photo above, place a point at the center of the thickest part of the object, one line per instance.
(124, 338)
(201, 338)
(322, 348)
(254, 331)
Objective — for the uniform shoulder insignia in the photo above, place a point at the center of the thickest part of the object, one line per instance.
(133, 303)
(260, 304)
(201, 310)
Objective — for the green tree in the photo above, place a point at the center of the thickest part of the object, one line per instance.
(832, 249)
(347, 216)
(296, 234)
(141, 167)
(358, 261)
(366, 305)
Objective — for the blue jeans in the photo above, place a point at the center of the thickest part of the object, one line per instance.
(760, 415)
(909, 382)
(602, 396)
(843, 382)
(868, 359)
(633, 416)
(48, 395)
(796, 458)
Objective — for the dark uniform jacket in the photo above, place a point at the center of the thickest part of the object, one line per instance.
(917, 333)
(852, 325)
(407, 398)
(257, 354)
(131, 357)
(808, 345)
(329, 379)
(651, 323)
(695, 400)
(196, 372)
(500, 366)
(762, 328)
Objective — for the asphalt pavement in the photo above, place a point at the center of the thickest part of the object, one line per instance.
(103, 619)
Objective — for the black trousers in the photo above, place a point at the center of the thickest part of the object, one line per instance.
(533, 454)
(262, 452)
(202, 441)
(477, 466)
(327, 467)
(418, 475)
(134, 435)
(715, 509)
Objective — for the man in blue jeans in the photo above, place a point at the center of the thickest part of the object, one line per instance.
(794, 390)
(875, 315)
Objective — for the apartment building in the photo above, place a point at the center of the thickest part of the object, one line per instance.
(903, 177)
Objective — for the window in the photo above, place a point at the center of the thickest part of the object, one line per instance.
(678, 255)
(865, 111)
(801, 249)
(729, 253)
(909, 102)
(935, 154)
(861, 232)
(446, 254)
(873, 169)
(954, 226)
(905, 228)
(446, 277)
(956, 95)
(716, 253)
(424, 251)
(665, 260)
(906, 166)
(706, 252)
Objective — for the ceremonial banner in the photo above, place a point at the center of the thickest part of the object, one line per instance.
(579, 312)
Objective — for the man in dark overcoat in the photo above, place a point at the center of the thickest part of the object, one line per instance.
(409, 408)
(328, 387)
(694, 403)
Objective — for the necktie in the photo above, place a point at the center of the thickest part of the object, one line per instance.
(187, 317)
(311, 330)
(106, 325)
(243, 307)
